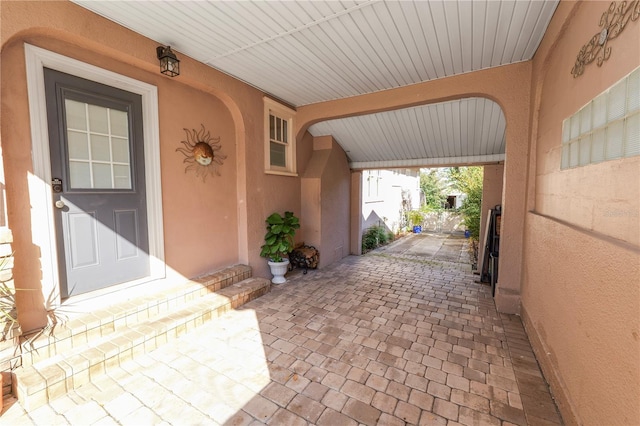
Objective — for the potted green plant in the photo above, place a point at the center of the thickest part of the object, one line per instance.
(416, 218)
(278, 242)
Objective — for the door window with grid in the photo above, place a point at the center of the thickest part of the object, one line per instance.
(98, 146)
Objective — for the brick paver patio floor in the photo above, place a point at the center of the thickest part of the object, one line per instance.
(387, 339)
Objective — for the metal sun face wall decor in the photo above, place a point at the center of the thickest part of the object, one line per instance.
(201, 152)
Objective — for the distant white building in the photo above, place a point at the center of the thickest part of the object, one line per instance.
(454, 198)
(387, 194)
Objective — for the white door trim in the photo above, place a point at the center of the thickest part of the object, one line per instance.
(42, 223)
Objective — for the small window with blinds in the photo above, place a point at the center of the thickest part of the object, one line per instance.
(607, 128)
(279, 140)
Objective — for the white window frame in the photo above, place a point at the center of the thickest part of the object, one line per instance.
(276, 109)
(373, 178)
(590, 137)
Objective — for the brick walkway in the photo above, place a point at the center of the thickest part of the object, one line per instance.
(385, 338)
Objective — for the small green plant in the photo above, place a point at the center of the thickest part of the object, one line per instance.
(374, 237)
(7, 304)
(8, 317)
(278, 241)
(416, 217)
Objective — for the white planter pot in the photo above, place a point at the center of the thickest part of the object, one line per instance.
(278, 269)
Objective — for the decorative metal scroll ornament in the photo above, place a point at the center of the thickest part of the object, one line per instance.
(201, 153)
(612, 22)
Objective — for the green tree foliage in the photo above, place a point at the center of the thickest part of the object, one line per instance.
(468, 180)
(433, 190)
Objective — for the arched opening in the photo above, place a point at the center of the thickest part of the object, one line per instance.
(461, 132)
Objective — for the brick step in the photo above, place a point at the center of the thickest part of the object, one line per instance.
(43, 381)
(90, 326)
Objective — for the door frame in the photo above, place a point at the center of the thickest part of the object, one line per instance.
(39, 181)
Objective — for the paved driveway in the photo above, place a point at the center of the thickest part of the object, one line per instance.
(389, 338)
(434, 246)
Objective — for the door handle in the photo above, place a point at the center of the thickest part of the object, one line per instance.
(60, 204)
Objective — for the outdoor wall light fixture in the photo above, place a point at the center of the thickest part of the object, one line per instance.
(169, 63)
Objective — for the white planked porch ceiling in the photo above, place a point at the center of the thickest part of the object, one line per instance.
(304, 52)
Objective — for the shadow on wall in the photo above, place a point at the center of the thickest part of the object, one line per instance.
(374, 220)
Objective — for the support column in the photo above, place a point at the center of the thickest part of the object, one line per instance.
(493, 177)
(508, 287)
(356, 212)
(325, 201)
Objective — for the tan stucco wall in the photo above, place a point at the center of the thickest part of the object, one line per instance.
(491, 196)
(335, 207)
(207, 225)
(581, 284)
(581, 300)
(596, 194)
(200, 216)
(326, 201)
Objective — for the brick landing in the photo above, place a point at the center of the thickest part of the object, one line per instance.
(82, 349)
(385, 340)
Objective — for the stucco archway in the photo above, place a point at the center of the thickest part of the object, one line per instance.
(508, 86)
